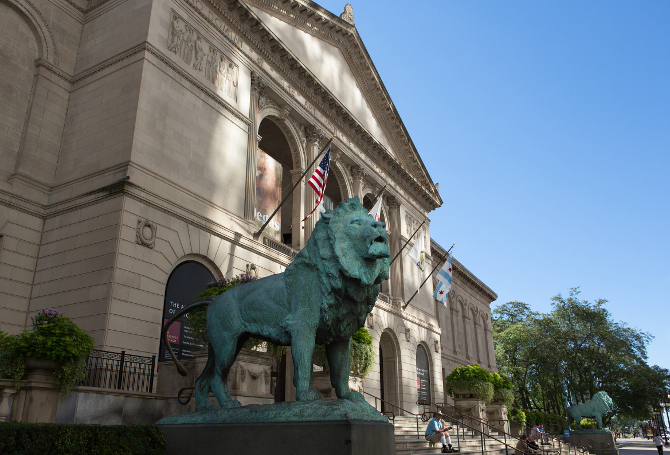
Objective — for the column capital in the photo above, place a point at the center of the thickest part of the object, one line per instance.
(314, 134)
(358, 173)
(257, 85)
(297, 172)
(392, 202)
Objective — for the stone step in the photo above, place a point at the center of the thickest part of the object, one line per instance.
(438, 449)
(413, 442)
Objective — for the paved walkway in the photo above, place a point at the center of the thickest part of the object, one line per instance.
(638, 446)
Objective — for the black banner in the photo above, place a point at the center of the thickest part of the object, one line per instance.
(187, 280)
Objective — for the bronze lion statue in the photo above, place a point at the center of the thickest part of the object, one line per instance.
(323, 297)
(598, 407)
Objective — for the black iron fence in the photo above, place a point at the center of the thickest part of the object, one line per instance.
(121, 371)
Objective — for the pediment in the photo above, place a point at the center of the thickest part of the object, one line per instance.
(327, 62)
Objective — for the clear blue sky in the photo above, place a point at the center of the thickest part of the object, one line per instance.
(547, 126)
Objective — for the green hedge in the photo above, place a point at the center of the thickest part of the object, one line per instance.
(79, 439)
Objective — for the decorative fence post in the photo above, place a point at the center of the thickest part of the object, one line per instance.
(119, 383)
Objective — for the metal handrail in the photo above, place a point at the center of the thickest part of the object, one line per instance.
(397, 407)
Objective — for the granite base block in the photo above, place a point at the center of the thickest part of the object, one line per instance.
(599, 442)
(285, 438)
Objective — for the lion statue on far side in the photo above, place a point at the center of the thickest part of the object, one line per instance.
(598, 407)
(323, 297)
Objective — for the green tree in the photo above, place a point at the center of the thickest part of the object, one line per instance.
(566, 356)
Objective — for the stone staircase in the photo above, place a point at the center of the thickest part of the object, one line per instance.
(407, 443)
(470, 442)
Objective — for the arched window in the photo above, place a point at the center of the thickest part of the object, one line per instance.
(422, 375)
(274, 163)
(186, 281)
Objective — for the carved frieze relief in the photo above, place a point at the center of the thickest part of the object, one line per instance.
(201, 55)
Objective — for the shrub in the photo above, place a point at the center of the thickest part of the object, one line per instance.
(552, 422)
(588, 424)
(361, 357)
(471, 378)
(517, 415)
(55, 439)
(54, 337)
(503, 388)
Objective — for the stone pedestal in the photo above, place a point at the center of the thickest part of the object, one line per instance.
(599, 442)
(496, 413)
(37, 400)
(321, 383)
(6, 392)
(468, 406)
(286, 438)
(248, 381)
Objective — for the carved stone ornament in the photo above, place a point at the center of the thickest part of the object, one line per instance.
(146, 233)
(264, 102)
(257, 85)
(407, 334)
(370, 321)
(204, 57)
(358, 173)
(252, 270)
(348, 14)
(436, 344)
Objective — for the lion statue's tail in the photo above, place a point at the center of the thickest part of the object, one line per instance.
(202, 302)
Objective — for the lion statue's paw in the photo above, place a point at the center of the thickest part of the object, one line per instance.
(353, 396)
(206, 408)
(231, 404)
(308, 395)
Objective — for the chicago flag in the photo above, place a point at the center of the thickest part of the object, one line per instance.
(443, 282)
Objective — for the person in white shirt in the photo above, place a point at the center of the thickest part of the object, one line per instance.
(659, 443)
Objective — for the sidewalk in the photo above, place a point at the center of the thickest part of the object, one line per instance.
(638, 446)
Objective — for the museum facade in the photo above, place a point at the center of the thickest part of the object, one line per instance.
(144, 142)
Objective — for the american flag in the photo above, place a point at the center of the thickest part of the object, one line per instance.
(318, 180)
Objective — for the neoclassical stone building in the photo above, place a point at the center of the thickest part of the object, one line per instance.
(140, 140)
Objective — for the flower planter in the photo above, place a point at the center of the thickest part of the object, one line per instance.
(496, 412)
(37, 399)
(470, 408)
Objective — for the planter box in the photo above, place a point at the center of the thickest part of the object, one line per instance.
(37, 400)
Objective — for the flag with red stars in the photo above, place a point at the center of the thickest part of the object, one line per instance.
(443, 282)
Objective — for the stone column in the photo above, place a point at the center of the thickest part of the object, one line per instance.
(358, 174)
(257, 88)
(297, 233)
(395, 242)
(313, 139)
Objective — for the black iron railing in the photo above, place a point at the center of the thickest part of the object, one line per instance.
(121, 371)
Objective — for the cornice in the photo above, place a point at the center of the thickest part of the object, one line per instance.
(269, 47)
(461, 272)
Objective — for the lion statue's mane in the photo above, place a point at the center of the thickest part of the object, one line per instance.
(323, 296)
(596, 408)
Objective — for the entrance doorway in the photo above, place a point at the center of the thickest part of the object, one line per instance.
(388, 373)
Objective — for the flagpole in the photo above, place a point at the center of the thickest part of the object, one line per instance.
(410, 238)
(424, 281)
(258, 233)
(379, 194)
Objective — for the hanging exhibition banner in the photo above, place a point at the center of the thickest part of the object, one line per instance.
(187, 280)
(268, 194)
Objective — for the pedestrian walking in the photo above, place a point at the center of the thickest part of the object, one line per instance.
(659, 443)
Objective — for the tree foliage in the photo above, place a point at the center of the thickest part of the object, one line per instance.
(566, 356)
